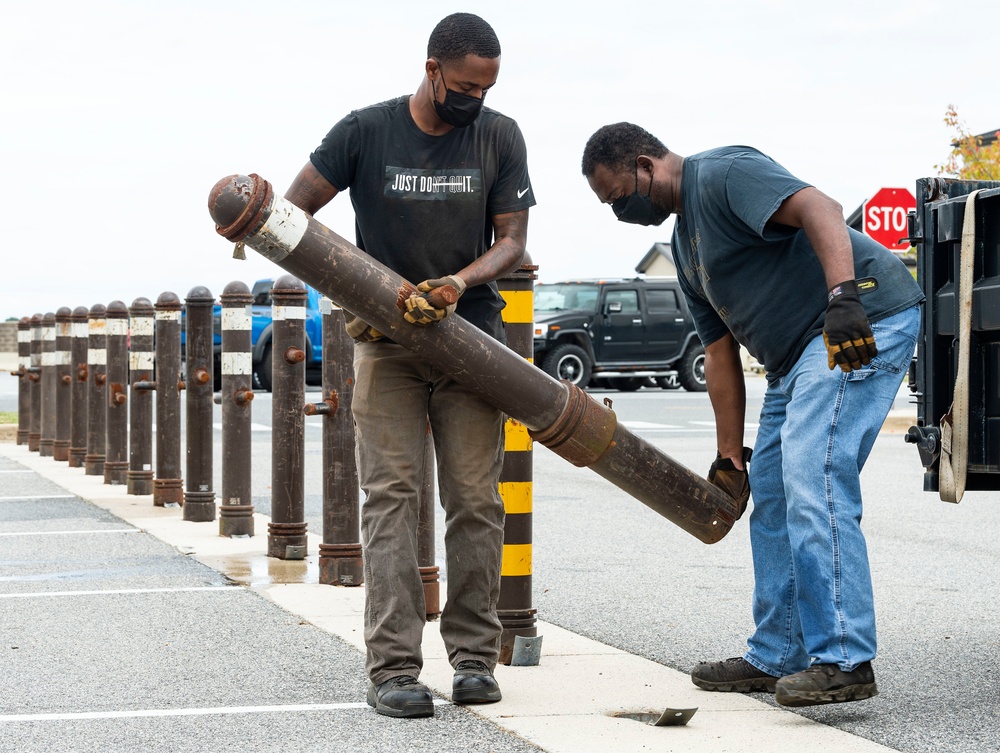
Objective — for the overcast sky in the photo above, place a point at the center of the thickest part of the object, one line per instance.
(118, 117)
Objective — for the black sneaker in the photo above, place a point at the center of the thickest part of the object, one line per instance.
(826, 683)
(474, 683)
(401, 697)
(732, 676)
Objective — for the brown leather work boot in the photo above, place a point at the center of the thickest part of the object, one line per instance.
(826, 683)
(733, 676)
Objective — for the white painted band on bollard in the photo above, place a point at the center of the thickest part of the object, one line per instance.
(117, 327)
(80, 329)
(235, 319)
(281, 233)
(142, 326)
(168, 316)
(283, 313)
(141, 360)
(97, 327)
(97, 356)
(237, 364)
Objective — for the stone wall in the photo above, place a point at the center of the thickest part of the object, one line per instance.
(8, 337)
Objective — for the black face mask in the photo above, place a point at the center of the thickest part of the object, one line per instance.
(458, 109)
(639, 209)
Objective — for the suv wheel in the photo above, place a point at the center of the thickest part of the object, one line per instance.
(691, 369)
(628, 384)
(668, 383)
(569, 362)
(263, 372)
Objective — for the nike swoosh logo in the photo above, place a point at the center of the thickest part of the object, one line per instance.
(522, 193)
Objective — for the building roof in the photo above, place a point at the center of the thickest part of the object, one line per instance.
(655, 252)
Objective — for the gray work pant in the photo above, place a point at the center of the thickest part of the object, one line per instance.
(395, 394)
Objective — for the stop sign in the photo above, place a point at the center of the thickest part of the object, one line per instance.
(884, 216)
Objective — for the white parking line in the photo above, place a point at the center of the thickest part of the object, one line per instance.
(647, 425)
(119, 591)
(291, 708)
(37, 496)
(66, 533)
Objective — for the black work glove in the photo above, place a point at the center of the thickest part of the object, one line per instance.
(734, 482)
(436, 300)
(846, 332)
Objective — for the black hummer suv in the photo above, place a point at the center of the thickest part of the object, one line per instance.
(622, 334)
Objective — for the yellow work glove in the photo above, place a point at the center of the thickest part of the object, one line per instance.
(436, 300)
(734, 482)
(360, 330)
(846, 331)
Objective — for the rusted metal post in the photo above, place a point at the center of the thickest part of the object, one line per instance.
(23, 379)
(50, 386)
(141, 374)
(97, 412)
(236, 508)
(78, 370)
(429, 572)
(560, 416)
(64, 383)
(199, 497)
(286, 537)
(514, 609)
(340, 562)
(168, 486)
(116, 459)
(35, 377)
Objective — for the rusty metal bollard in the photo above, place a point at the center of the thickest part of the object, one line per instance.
(199, 497)
(167, 484)
(286, 537)
(429, 572)
(141, 380)
(560, 416)
(64, 383)
(23, 379)
(78, 372)
(35, 377)
(340, 562)
(514, 609)
(97, 412)
(50, 385)
(116, 458)
(236, 508)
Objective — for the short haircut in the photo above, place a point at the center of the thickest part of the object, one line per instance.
(462, 34)
(617, 145)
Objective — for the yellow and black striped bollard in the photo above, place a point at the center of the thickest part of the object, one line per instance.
(516, 614)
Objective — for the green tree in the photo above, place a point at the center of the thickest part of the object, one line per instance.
(970, 158)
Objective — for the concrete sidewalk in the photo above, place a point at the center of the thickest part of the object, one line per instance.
(566, 704)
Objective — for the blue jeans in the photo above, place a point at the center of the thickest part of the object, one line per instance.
(813, 601)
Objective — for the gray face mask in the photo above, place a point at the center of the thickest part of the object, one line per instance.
(637, 208)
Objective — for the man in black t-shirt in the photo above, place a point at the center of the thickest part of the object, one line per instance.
(440, 190)
(766, 261)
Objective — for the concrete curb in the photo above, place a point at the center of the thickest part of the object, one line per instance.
(564, 705)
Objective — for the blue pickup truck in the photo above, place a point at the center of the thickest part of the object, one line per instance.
(261, 328)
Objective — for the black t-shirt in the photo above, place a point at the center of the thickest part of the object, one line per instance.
(424, 204)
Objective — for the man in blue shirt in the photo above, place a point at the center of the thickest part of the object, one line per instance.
(766, 261)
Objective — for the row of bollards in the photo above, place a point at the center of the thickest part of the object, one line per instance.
(93, 380)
